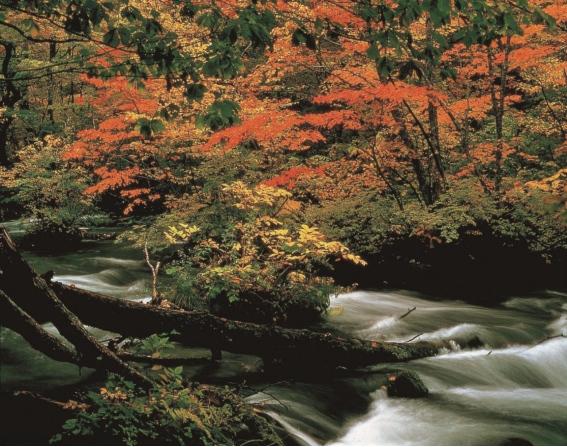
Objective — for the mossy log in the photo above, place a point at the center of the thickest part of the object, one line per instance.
(195, 328)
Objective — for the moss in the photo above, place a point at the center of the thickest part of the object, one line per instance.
(406, 384)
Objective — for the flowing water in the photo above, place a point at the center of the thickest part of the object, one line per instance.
(513, 384)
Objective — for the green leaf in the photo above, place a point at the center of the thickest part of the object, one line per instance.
(373, 52)
(209, 19)
(157, 126)
(195, 92)
(149, 127)
(448, 73)
(131, 14)
(111, 38)
(302, 37)
(220, 114)
(125, 35)
(224, 62)
(189, 9)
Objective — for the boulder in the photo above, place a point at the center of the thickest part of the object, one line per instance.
(516, 441)
(406, 384)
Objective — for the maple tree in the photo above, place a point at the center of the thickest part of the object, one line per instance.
(411, 105)
(76, 32)
(121, 150)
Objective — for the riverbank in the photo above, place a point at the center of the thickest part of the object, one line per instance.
(478, 270)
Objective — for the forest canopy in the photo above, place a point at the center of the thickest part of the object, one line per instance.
(446, 118)
(429, 123)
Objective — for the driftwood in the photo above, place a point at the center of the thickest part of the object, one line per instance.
(194, 328)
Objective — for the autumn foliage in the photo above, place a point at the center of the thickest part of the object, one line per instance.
(329, 100)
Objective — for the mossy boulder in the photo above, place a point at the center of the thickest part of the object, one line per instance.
(406, 384)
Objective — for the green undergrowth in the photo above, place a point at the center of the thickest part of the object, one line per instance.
(172, 413)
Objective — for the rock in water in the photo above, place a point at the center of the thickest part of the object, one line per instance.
(516, 441)
(406, 384)
(474, 343)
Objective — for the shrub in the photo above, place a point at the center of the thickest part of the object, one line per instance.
(533, 216)
(257, 262)
(50, 193)
(169, 414)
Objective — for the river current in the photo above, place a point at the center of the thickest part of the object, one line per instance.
(511, 383)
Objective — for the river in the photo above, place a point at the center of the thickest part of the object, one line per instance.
(514, 385)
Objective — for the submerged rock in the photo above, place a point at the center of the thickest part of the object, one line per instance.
(474, 343)
(406, 384)
(516, 441)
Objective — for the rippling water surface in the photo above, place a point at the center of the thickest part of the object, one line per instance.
(511, 384)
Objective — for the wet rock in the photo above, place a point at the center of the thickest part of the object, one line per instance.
(516, 441)
(473, 343)
(406, 384)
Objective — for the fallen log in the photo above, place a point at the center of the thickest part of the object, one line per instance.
(194, 328)
(21, 285)
(164, 361)
(13, 317)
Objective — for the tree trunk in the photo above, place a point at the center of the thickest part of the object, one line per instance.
(4, 128)
(10, 95)
(51, 87)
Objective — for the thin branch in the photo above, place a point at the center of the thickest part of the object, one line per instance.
(36, 39)
(413, 338)
(407, 313)
(551, 111)
(156, 299)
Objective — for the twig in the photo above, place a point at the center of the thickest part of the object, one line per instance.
(407, 313)
(413, 338)
(263, 391)
(69, 405)
(253, 440)
(546, 339)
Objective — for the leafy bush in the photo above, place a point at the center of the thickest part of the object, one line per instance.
(254, 257)
(534, 216)
(51, 194)
(169, 414)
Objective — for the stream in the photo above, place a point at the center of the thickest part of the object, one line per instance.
(513, 386)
